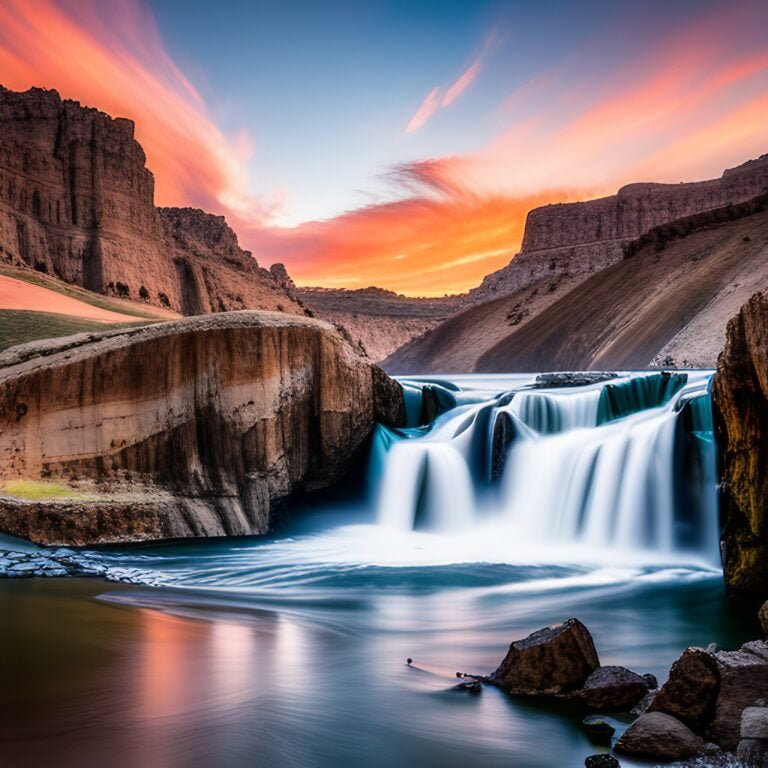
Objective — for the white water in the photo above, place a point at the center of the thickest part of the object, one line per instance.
(623, 488)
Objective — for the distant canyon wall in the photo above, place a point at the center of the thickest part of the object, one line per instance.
(582, 238)
(77, 202)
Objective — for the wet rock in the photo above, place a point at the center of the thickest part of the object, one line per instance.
(598, 730)
(651, 681)
(753, 753)
(551, 661)
(613, 688)
(691, 690)
(763, 616)
(709, 692)
(582, 379)
(469, 686)
(644, 704)
(601, 761)
(754, 723)
(740, 402)
(658, 736)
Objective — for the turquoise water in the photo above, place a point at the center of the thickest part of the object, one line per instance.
(290, 650)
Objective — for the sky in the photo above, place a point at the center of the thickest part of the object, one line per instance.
(402, 144)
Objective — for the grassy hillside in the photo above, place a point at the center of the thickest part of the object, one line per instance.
(19, 326)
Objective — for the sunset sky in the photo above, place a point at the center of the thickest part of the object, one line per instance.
(401, 144)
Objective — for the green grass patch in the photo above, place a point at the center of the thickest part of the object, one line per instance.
(18, 326)
(38, 489)
(75, 292)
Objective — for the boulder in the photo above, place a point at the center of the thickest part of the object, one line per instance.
(198, 427)
(554, 660)
(752, 753)
(691, 690)
(598, 730)
(754, 723)
(658, 736)
(763, 616)
(613, 688)
(710, 691)
(601, 761)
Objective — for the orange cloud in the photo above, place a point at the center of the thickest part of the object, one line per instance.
(110, 55)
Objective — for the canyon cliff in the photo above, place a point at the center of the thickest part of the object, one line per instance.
(664, 303)
(574, 239)
(740, 397)
(198, 427)
(77, 202)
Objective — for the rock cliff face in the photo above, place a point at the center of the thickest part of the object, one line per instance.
(77, 202)
(191, 428)
(379, 321)
(582, 238)
(740, 397)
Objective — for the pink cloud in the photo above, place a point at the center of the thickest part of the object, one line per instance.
(463, 82)
(428, 107)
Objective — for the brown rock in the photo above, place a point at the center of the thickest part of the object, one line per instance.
(763, 616)
(77, 202)
(691, 690)
(551, 661)
(613, 688)
(740, 398)
(658, 736)
(709, 692)
(197, 427)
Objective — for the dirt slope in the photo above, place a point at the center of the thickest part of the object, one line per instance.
(626, 316)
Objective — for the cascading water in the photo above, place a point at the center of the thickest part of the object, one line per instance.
(625, 465)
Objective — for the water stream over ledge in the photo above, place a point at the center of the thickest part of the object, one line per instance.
(499, 509)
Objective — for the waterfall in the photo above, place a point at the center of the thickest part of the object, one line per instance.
(625, 465)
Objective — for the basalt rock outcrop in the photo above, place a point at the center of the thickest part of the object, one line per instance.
(77, 202)
(198, 427)
(740, 397)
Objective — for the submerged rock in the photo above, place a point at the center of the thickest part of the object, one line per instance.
(659, 736)
(581, 379)
(555, 660)
(601, 761)
(199, 427)
(614, 688)
(598, 730)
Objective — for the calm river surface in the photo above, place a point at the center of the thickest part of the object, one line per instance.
(291, 650)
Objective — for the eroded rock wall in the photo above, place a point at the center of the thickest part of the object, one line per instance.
(205, 424)
(740, 397)
(581, 238)
(77, 202)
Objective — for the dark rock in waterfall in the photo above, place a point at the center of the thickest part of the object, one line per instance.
(557, 380)
(552, 661)
(598, 730)
(604, 760)
(601, 761)
(613, 688)
(659, 736)
(434, 401)
(503, 434)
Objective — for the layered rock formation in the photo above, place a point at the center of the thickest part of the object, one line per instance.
(77, 202)
(576, 239)
(379, 321)
(197, 427)
(665, 304)
(740, 397)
